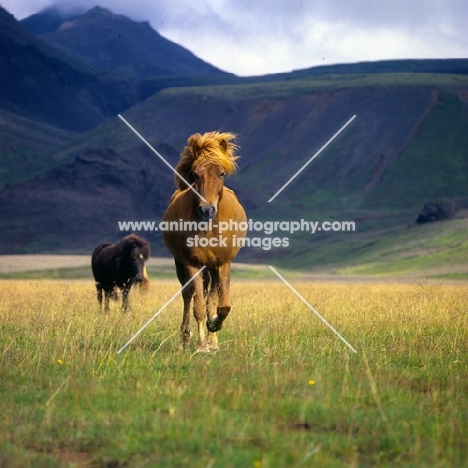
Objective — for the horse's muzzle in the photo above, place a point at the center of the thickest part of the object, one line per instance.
(206, 212)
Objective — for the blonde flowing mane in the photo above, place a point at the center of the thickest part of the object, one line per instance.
(212, 147)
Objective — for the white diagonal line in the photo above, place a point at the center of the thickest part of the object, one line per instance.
(311, 308)
(160, 157)
(312, 158)
(161, 309)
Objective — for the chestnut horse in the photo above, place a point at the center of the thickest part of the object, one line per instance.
(204, 164)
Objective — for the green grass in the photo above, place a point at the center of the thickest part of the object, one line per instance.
(421, 249)
(393, 249)
(158, 269)
(282, 391)
(51, 273)
(452, 276)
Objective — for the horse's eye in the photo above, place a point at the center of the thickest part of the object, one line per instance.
(195, 176)
(223, 174)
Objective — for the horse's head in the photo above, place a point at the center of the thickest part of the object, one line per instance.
(136, 252)
(137, 262)
(209, 183)
(205, 162)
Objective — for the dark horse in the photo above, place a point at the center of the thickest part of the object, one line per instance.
(204, 163)
(119, 265)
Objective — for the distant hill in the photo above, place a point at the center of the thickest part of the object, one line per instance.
(115, 43)
(448, 66)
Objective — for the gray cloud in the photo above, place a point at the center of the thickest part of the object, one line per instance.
(255, 37)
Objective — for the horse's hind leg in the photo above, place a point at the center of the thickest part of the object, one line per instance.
(99, 295)
(107, 295)
(215, 322)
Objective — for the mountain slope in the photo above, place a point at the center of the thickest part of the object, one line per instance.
(76, 205)
(117, 44)
(22, 143)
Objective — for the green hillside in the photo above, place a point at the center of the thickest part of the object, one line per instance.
(436, 250)
(26, 160)
(435, 161)
(158, 107)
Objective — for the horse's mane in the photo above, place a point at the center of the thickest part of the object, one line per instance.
(212, 147)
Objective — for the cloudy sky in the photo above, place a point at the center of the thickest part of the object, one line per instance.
(254, 37)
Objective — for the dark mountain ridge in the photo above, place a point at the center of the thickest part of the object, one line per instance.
(117, 44)
(49, 19)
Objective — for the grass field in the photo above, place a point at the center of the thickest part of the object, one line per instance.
(283, 390)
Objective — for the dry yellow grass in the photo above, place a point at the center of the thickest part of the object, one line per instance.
(282, 391)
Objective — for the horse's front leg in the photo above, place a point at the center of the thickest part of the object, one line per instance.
(185, 332)
(215, 322)
(187, 293)
(199, 307)
(125, 293)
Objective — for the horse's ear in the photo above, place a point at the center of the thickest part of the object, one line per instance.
(223, 144)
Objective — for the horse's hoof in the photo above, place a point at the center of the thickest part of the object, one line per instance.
(213, 348)
(214, 324)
